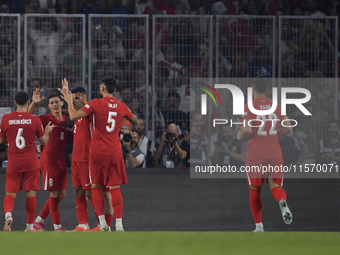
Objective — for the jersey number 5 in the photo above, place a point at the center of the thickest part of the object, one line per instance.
(111, 121)
(20, 140)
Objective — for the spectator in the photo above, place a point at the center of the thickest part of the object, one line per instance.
(140, 81)
(117, 7)
(91, 7)
(33, 6)
(199, 154)
(141, 5)
(293, 152)
(183, 39)
(200, 7)
(262, 64)
(226, 149)
(64, 6)
(147, 146)
(158, 7)
(201, 61)
(172, 152)
(46, 41)
(127, 95)
(77, 57)
(134, 41)
(3, 155)
(186, 93)
(158, 116)
(132, 155)
(329, 147)
(173, 115)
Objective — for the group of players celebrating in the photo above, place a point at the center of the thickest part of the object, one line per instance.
(98, 167)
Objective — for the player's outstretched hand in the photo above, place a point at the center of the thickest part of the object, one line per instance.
(66, 95)
(64, 82)
(49, 128)
(36, 96)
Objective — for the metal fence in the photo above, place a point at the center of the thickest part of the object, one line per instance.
(10, 57)
(119, 47)
(168, 50)
(54, 47)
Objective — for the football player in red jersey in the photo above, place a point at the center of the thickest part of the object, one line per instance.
(19, 130)
(52, 159)
(263, 151)
(80, 165)
(106, 159)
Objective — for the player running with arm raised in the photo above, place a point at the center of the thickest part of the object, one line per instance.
(106, 159)
(19, 129)
(264, 150)
(52, 159)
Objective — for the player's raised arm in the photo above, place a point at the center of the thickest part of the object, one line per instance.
(45, 138)
(36, 99)
(244, 131)
(68, 97)
(288, 127)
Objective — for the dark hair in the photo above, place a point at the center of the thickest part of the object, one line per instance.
(261, 84)
(69, 123)
(136, 132)
(173, 93)
(78, 89)
(21, 98)
(333, 121)
(110, 84)
(55, 93)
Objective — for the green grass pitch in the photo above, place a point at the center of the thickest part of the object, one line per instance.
(274, 243)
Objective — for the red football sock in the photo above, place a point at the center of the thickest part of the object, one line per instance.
(91, 201)
(255, 204)
(117, 202)
(45, 211)
(8, 203)
(279, 193)
(81, 208)
(54, 210)
(108, 218)
(98, 201)
(31, 208)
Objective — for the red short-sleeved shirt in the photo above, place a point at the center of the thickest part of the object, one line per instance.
(60, 137)
(107, 114)
(81, 140)
(20, 130)
(263, 142)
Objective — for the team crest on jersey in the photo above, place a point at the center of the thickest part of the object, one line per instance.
(233, 149)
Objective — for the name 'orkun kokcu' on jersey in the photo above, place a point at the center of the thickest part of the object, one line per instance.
(20, 122)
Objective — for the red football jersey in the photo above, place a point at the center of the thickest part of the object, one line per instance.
(263, 141)
(20, 130)
(107, 114)
(81, 140)
(60, 137)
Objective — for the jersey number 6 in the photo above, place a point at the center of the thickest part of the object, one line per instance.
(20, 140)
